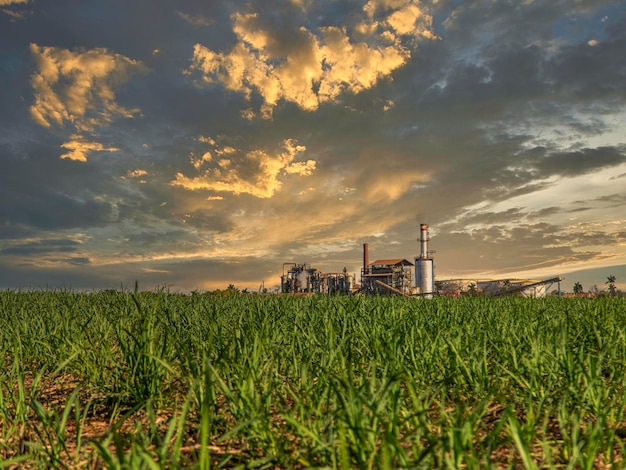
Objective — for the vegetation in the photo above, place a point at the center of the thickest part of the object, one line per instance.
(159, 380)
(610, 281)
(594, 291)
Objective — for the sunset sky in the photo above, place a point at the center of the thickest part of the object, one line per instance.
(196, 144)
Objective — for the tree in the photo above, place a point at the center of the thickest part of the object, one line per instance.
(610, 280)
(231, 290)
(578, 288)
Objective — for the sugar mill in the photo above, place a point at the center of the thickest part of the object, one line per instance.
(402, 277)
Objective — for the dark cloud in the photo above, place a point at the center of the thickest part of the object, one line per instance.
(614, 200)
(41, 247)
(573, 163)
(585, 73)
(504, 249)
(210, 221)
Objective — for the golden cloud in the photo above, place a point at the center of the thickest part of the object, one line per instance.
(355, 67)
(197, 162)
(404, 21)
(258, 173)
(79, 149)
(136, 173)
(314, 68)
(78, 87)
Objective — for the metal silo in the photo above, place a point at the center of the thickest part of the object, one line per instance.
(424, 266)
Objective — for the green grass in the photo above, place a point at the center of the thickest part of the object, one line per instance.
(161, 380)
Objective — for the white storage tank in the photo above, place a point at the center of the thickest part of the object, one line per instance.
(424, 267)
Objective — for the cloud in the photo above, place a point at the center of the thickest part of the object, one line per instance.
(42, 247)
(136, 173)
(78, 88)
(501, 249)
(407, 19)
(256, 173)
(195, 20)
(313, 66)
(11, 8)
(79, 148)
(197, 162)
(582, 161)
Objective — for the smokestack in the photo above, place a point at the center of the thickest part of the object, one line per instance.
(424, 241)
(366, 258)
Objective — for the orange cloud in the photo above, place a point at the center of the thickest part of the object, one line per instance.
(257, 173)
(316, 66)
(78, 87)
(136, 173)
(79, 149)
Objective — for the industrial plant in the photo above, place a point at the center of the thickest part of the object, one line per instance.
(402, 277)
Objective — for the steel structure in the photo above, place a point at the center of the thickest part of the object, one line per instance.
(531, 287)
(384, 276)
(424, 266)
(302, 278)
(395, 276)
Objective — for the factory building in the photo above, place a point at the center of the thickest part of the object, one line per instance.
(385, 276)
(395, 275)
(402, 277)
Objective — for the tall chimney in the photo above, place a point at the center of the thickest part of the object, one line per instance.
(366, 258)
(423, 240)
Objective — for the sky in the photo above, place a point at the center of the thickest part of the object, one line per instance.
(197, 144)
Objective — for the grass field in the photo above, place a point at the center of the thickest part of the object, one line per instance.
(161, 380)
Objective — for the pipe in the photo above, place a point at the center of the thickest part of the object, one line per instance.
(287, 264)
(392, 289)
(522, 287)
(424, 266)
(366, 258)
(284, 276)
(424, 241)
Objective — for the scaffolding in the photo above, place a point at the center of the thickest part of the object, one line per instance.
(385, 276)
